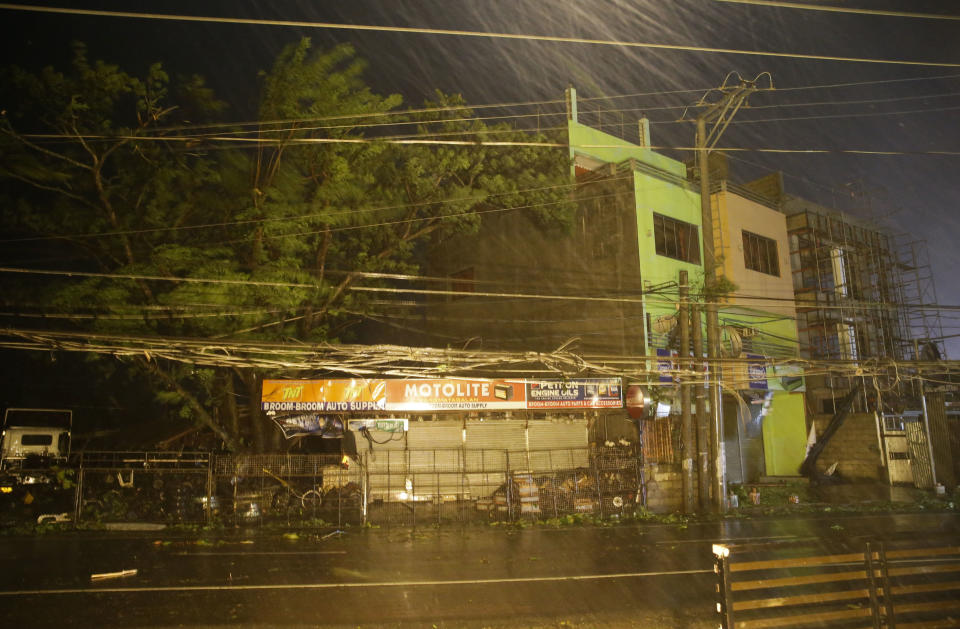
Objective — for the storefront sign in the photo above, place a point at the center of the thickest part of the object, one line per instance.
(453, 394)
(324, 396)
(304, 397)
(757, 371)
(588, 393)
(665, 365)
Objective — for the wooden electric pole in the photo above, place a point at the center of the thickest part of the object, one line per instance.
(686, 419)
(700, 403)
(717, 114)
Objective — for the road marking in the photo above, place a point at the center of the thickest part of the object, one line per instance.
(331, 586)
(262, 552)
(732, 540)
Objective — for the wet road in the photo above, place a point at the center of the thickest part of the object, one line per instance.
(626, 576)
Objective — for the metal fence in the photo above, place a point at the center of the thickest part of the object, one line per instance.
(380, 487)
(142, 486)
(661, 438)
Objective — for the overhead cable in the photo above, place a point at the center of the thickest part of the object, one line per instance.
(301, 217)
(461, 33)
(400, 361)
(836, 9)
(485, 143)
(863, 305)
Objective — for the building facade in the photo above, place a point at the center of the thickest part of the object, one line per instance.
(610, 287)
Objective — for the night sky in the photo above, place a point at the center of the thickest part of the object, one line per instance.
(917, 193)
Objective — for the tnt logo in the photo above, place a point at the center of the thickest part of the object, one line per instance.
(292, 393)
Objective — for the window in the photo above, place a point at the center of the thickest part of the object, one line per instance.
(676, 239)
(36, 440)
(760, 254)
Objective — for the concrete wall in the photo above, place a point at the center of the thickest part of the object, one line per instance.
(514, 254)
(664, 487)
(854, 446)
(736, 215)
(610, 149)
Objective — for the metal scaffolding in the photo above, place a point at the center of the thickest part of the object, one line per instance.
(919, 293)
(861, 292)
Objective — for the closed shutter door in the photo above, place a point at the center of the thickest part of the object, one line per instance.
(436, 458)
(386, 463)
(435, 435)
(486, 451)
(496, 435)
(558, 445)
(436, 473)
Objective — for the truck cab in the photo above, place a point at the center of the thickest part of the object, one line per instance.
(35, 438)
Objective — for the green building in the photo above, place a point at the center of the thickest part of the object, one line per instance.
(764, 417)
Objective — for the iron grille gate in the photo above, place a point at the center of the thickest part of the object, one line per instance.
(383, 487)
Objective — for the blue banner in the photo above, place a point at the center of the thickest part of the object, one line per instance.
(757, 371)
(586, 393)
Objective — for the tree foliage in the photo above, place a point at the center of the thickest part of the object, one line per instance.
(115, 174)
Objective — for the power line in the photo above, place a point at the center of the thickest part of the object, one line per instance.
(486, 143)
(157, 278)
(825, 86)
(869, 101)
(461, 33)
(836, 9)
(868, 114)
(460, 293)
(134, 317)
(426, 133)
(751, 107)
(404, 221)
(162, 278)
(422, 110)
(494, 131)
(392, 360)
(328, 214)
(433, 137)
(505, 105)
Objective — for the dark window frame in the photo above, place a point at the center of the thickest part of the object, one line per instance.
(676, 239)
(36, 440)
(761, 254)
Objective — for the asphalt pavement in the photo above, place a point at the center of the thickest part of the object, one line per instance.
(643, 575)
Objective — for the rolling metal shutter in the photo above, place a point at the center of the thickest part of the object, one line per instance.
(435, 435)
(558, 444)
(500, 434)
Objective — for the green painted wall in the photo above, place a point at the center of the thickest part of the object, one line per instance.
(652, 194)
(784, 427)
(778, 332)
(785, 424)
(611, 149)
(784, 435)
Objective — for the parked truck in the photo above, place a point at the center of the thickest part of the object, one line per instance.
(34, 441)
(35, 480)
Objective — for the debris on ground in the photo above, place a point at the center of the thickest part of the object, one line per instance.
(113, 575)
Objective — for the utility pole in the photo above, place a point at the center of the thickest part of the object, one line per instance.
(700, 397)
(717, 115)
(686, 419)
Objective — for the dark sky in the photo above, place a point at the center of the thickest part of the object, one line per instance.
(916, 194)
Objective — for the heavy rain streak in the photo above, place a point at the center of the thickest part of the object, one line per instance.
(480, 313)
